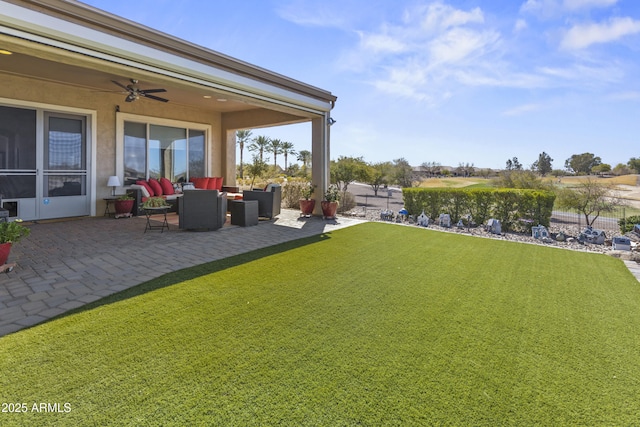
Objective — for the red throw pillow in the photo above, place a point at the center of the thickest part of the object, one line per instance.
(155, 185)
(167, 186)
(199, 183)
(146, 185)
(219, 180)
(211, 184)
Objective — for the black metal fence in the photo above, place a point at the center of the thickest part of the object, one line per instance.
(607, 221)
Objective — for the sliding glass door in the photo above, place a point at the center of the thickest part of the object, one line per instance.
(43, 164)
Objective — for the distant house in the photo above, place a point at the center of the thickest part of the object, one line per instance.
(74, 111)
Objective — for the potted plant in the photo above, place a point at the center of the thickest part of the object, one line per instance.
(155, 202)
(307, 204)
(10, 232)
(330, 202)
(123, 206)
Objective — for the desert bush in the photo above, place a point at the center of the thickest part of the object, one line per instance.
(292, 193)
(347, 201)
(626, 224)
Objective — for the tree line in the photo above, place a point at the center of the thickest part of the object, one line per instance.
(577, 164)
(590, 198)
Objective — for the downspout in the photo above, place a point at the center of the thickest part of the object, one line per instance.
(327, 141)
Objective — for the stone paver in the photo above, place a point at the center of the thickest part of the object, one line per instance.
(66, 264)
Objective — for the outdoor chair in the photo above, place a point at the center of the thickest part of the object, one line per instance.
(202, 210)
(269, 200)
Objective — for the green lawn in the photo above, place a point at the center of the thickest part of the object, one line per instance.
(372, 325)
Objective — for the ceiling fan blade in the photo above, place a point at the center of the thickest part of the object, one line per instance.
(157, 98)
(121, 85)
(153, 90)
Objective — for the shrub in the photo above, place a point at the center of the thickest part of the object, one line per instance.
(292, 193)
(347, 202)
(516, 209)
(626, 224)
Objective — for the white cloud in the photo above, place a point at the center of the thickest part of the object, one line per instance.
(381, 43)
(522, 109)
(520, 25)
(314, 14)
(436, 51)
(587, 4)
(438, 17)
(583, 36)
(543, 8)
(585, 75)
(554, 8)
(459, 44)
(420, 56)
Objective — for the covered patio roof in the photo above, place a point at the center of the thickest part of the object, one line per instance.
(75, 44)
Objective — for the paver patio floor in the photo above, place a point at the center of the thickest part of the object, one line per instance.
(65, 264)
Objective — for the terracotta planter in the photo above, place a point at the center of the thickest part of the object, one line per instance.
(329, 209)
(5, 249)
(123, 207)
(307, 206)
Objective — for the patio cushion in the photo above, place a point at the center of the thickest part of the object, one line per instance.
(167, 186)
(145, 184)
(211, 183)
(142, 188)
(200, 182)
(155, 186)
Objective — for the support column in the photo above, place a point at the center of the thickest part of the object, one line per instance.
(228, 155)
(320, 159)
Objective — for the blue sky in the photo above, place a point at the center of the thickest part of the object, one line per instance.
(465, 81)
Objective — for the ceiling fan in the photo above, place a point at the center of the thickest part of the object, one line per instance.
(136, 93)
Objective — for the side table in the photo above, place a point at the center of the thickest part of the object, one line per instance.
(244, 212)
(107, 202)
(156, 211)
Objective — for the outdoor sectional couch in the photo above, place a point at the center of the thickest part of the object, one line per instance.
(141, 191)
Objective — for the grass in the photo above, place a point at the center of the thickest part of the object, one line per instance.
(455, 182)
(376, 324)
(615, 180)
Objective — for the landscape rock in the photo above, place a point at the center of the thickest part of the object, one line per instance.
(564, 234)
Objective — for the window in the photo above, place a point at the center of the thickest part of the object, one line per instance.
(155, 150)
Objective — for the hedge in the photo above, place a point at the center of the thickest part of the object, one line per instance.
(627, 224)
(517, 209)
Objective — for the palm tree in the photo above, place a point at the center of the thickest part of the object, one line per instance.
(260, 144)
(304, 156)
(242, 137)
(287, 148)
(276, 148)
